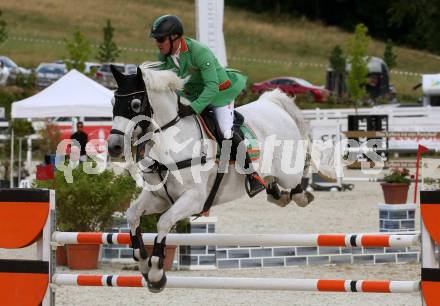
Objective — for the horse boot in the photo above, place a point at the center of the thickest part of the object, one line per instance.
(156, 278)
(253, 183)
(138, 244)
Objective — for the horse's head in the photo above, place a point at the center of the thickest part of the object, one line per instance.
(150, 93)
(130, 100)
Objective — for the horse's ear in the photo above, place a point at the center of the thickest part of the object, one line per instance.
(116, 74)
(140, 79)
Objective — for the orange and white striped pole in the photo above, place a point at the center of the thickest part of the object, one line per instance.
(334, 240)
(372, 286)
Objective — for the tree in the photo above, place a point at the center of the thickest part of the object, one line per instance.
(357, 55)
(388, 55)
(22, 127)
(108, 50)
(337, 63)
(3, 32)
(423, 20)
(79, 50)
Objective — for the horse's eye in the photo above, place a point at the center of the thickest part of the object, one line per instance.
(113, 101)
(136, 105)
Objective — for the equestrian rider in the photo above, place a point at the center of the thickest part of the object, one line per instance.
(209, 84)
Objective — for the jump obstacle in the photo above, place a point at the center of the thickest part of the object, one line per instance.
(28, 216)
(264, 240)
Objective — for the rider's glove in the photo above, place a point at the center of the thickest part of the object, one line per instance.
(185, 110)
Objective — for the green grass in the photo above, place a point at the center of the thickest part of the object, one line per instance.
(248, 36)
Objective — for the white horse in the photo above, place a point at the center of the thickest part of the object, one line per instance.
(179, 189)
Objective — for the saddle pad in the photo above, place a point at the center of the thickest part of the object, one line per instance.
(251, 141)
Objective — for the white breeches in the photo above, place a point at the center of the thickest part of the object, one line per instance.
(225, 119)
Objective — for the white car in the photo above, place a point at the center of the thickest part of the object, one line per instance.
(9, 71)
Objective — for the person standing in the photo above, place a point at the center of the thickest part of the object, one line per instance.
(82, 139)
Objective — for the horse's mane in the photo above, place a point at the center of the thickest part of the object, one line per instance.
(160, 80)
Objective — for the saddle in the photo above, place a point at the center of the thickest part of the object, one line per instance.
(212, 128)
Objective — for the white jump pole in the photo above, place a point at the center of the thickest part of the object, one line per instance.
(376, 286)
(334, 240)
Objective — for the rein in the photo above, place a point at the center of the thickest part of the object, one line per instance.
(158, 167)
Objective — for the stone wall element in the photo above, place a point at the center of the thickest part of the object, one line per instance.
(397, 217)
(247, 257)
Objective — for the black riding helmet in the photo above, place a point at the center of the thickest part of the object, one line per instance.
(166, 26)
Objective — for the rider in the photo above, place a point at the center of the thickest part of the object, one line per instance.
(209, 84)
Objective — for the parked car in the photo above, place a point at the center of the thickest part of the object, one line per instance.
(105, 76)
(293, 86)
(48, 73)
(10, 70)
(4, 75)
(90, 67)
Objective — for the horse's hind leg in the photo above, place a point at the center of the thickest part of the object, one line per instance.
(145, 204)
(300, 197)
(283, 197)
(275, 194)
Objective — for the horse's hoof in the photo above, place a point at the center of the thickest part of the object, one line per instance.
(156, 287)
(303, 199)
(310, 197)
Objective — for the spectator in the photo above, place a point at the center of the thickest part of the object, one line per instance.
(82, 139)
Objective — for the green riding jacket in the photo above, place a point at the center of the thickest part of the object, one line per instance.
(209, 82)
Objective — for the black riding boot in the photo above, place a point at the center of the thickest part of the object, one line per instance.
(254, 183)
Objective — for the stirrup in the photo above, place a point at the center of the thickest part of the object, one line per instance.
(254, 184)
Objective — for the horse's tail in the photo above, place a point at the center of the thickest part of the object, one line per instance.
(287, 103)
(322, 157)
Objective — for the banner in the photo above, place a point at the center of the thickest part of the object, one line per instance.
(209, 27)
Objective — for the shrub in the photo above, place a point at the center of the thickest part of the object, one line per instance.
(90, 201)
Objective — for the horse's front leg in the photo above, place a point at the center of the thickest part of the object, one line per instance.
(145, 204)
(187, 205)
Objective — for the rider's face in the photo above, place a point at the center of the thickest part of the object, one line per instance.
(163, 44)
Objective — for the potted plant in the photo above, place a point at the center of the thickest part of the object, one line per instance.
(148, 224)
(87, 205)
(396, 185)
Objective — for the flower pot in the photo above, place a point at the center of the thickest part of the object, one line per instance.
(170, 252)
(61, 255)
(82, 256)
(395, 193)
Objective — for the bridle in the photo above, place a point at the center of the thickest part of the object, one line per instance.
(157, 167)
(148, 111)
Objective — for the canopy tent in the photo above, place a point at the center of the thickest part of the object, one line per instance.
(73, 95)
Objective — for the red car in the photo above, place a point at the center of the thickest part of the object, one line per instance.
(292, 86)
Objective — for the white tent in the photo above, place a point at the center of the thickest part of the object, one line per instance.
(72, 95)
